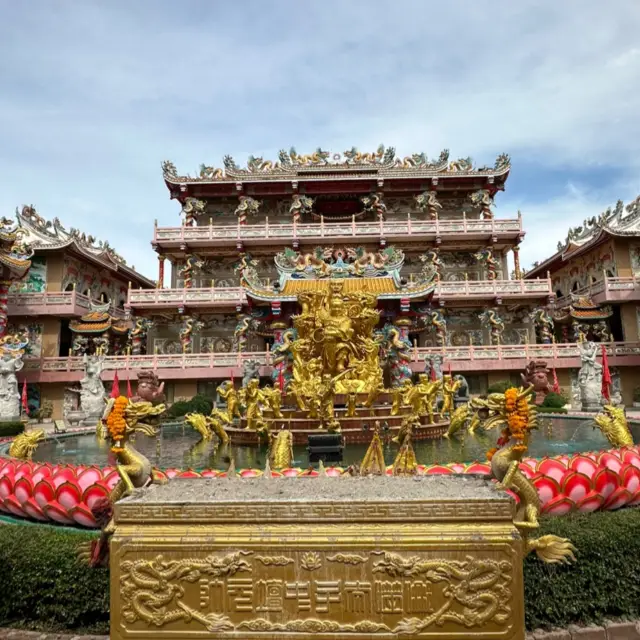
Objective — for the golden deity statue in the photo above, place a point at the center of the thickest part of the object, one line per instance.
(450, 387)
(229, 394)
(252, 397)
(335, 338)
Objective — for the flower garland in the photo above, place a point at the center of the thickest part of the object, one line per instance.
(517, 410)
(116, 423)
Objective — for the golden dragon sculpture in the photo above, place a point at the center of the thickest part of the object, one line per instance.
(613, 424)
(206, 426)
(281, 450)
(513, 412)
(24, 445)
(123, 418)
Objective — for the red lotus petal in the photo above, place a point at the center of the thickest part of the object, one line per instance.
(619, 498)
(309, 473)
(632, 457)
(388, 471)
(13, 506)
(528, 472)
(83, 516)
(68, 495)
(44, 492)
(478, 467)
(437, 468)
(552, 468)
(558, 506)
(591, 502)
(576, 486)
(8, 469)
(250, 473)
(43, 471)
(57, 513)
(291, 472)
(88, 477)
(548, 489)
(23, 490)
(94, 493)
(584, 465)
(62, 475)
(171, 473)
(33, 510)
(161, 474)
(188, 473)
(6, 486)
(208, 473)
(631, 478)
(24, 470)
(334, 471)
(606, 482)
(276, 474)
(457, 468)
(610, 461)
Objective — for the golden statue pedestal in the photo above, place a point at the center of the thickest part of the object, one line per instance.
(339, 558)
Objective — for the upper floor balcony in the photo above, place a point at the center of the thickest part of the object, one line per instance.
(608, 289)
(223, 297)
(224, 365)
(66, 304)
(309, 233)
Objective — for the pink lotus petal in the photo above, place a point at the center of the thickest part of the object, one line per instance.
(62, 475)
(6, 486)
(558, 506)
(576, 486)
(57, 513)
(13, 506)
(552, 468)
(94, 493)
(68, 495)
(334, 471)
(33, 510)
(43, 471)
(188, 473)
(548, 488)
(23, 490)
(291, 472)
(44, 492)
(208, 473)
(606, 482)
(438, 469)
(584, 465)
(83, 516)
(619, 498)
(457, 468)
(610, 461)
(591, 502)
(479, 467)
(88, 477)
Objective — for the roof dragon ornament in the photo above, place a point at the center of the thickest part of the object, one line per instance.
(300, 205)
(428, 201)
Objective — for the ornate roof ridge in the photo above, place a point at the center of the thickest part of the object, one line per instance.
(382, 162)
(51, 234)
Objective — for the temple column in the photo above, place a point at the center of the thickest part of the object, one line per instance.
(516, 262)
(4, 297)
(160, 283)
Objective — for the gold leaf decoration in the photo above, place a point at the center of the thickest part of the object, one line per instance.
(347, 558)
(310, 561)
(275, 561)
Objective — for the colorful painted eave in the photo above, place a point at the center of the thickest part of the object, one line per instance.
(340, 166)
(43, 235)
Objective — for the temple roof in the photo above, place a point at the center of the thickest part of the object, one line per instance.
(99, 320)
(351, 285)
(612, 222)
(325, 165)
(44, 235)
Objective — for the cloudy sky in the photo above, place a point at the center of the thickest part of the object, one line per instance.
(94, 94)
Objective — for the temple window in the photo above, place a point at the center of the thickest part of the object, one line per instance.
(559, 293)
(69, 287)
(87, 292)
(104, 297)
(575, 286)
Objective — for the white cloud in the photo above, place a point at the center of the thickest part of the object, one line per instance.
(96, 94)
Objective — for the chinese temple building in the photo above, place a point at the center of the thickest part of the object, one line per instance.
(595, 275)
(69, 302)
(419, 233)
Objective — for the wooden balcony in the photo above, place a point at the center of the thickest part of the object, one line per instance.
(310, 233)
(467, 290)
(53, 303)
(223, 365)
(607, 290)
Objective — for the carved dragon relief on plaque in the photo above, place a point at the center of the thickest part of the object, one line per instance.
(317, 592)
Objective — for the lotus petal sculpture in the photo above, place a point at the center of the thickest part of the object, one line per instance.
(64, 494)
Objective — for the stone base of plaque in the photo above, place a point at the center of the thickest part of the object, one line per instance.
(336, 558)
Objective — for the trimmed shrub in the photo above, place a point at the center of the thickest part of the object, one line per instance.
(8, 429)
(197, 404)
(555, 400)
(501, 386)
(45, 587)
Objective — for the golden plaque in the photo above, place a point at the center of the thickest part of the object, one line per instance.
(357, 558)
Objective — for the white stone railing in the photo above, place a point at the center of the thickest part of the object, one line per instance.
(608, 286)
(53, 301)
(227, 360)
(221, 296)
(387, 229)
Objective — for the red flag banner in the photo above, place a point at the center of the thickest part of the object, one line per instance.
(115, 388)
(556, 384)
(606, 375)
(25, 404)
(129, 394)
(281, 381)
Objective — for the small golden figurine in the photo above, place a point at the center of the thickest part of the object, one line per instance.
(352, 400)
(252, 397)
(229, 394)
(449, 389)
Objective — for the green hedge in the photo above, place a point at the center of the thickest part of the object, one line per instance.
(555, 400)
(197, 404)
(543, 409)
(501, 386)
(11, 428)
(44, 587)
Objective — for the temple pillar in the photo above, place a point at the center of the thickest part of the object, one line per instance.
(630, 315)
(160, 283)
(4, 296)
(516, 262)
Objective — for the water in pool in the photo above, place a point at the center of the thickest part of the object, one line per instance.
(178, 446)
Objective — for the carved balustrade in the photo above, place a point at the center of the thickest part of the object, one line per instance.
(53, 303)
(619, 289)
(389, 229)
(505, 357)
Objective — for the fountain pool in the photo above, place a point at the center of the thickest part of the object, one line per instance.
(178, 446)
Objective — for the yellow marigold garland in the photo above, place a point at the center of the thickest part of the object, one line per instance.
(517, 411)
(116, 423)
